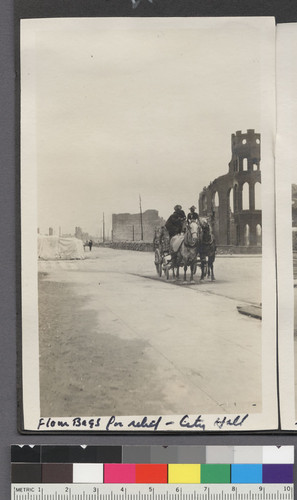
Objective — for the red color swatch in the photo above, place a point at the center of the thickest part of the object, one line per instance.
(151, 473)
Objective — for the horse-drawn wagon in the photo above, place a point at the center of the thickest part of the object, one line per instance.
(196, 247)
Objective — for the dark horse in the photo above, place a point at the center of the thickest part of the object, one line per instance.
(207, 251)
(187, 251)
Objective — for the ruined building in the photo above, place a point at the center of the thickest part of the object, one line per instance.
(127, 227)
(233, 201)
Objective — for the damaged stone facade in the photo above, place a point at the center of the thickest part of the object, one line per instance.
(233, 201)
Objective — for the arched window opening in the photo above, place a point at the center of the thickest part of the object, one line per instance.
(246, 235)
(245, 196)
(235, 197)
(231, 200)
(258, 204)
(216, 201)
(258, 235)
(255, 166)
(204, 203)
(245, 164)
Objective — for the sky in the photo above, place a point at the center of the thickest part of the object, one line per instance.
(129, 107)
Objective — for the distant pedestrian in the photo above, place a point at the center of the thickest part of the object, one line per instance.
(90, 245)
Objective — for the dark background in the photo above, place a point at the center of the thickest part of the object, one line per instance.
(282, 10)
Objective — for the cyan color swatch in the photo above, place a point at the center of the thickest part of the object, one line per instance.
(246, 473)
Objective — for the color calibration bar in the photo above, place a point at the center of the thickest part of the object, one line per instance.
(153, 473)
(152, 464)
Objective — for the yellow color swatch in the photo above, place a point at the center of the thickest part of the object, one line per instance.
(184, 473)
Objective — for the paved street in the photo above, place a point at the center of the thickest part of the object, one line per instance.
(117, 339)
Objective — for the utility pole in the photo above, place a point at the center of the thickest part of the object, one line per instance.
(103, 229)
(141, 224)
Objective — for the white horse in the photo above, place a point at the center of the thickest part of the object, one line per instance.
(185, 249)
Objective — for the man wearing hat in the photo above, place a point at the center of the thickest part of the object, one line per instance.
(192, 215)
(174, 224)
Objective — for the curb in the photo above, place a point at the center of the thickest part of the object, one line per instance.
(251, 311)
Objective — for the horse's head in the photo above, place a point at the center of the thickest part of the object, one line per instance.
(205, 226)
(206, 231)
(192, 234)
(193, 226)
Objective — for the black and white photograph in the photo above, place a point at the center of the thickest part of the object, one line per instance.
(148, 224)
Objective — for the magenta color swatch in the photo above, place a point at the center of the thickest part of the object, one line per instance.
(119, 473)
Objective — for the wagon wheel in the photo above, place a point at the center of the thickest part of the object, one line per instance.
(158, 262)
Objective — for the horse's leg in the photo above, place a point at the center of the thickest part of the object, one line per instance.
(185, 273)
(192, 271)
(202, 265)
(202, 269)
(212, 273)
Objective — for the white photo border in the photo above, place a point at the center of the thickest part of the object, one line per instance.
(268, 418)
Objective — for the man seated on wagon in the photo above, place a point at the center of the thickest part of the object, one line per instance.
(175, 226)
(175, 222)
(192, 215)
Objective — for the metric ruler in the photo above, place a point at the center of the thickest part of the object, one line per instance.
(95, 491)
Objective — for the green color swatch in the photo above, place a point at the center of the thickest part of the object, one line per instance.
(215, 473)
